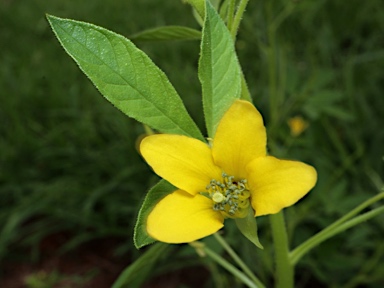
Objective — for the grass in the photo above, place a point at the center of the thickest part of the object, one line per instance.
(68, 160)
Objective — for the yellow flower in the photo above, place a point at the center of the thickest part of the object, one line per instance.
(297, 125)
(220, 180)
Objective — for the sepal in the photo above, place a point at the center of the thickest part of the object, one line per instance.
(155, 194)
(248, 227)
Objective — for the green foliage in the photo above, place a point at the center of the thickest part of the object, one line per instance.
(167, 33)
(125, 76)
(53, 279)
(199, 5)
(42, 280)
(248, 227)
(137, 273)
(219, 70)
(68, 162)
(159, 191)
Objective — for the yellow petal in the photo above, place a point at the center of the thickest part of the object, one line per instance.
(182, 218)
(185, 162)
(276, 183)
(240, 137)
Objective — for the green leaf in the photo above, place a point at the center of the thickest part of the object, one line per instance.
(339, 112)
(326, 97)
(223, 11)
(198, 5)
(323, 101)
(125, 76)
(139, 271)
(248, 227)
(219, 69)
(321, 78)
(158, 192)
(167, 33)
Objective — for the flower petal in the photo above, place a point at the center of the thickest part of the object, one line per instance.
(184, 162)
(182, 218)
(276, 183)
(240, 138)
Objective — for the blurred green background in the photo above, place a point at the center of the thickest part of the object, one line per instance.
(71, 179)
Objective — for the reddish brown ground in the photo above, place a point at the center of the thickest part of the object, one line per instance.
(92, 265)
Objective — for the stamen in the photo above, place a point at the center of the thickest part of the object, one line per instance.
(229, 197)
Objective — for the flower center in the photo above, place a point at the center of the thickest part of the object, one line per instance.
(229, 197)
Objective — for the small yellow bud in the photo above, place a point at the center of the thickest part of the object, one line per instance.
(297, 125)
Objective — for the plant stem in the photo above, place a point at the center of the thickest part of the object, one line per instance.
(238, 17)
(328, 233)
(231, 11)
(238, 260)
(355, 211)
(228, 266)
(337, 227)
(245, 94)
(140, 269)
(148, 130)
(284, 268)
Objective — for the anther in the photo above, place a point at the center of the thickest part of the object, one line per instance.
(229, 197)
